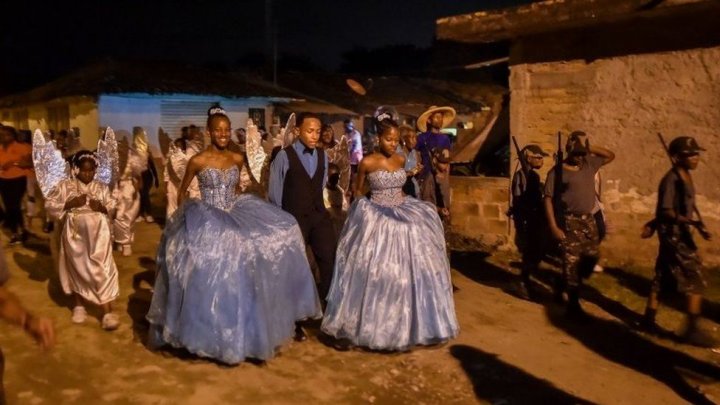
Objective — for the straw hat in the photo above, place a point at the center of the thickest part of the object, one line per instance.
(448, 116)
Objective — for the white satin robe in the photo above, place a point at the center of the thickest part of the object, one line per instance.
(128, 208)
(85, 261)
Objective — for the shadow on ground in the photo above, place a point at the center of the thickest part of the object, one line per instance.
(139, 300)
(40, 268)
(617, 343)
(614, 341)
(641, 285)
(498, 382)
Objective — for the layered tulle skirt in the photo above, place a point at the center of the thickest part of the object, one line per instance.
(231, 284)
(391, 288)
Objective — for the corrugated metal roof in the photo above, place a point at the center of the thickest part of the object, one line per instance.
(111, 77)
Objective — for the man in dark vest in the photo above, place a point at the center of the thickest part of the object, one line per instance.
(297, 177)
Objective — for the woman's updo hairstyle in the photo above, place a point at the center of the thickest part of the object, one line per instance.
(385, 118)
(215, 112)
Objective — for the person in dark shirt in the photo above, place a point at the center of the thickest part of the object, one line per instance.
(677, 258)
(528, 215)
(572, 223)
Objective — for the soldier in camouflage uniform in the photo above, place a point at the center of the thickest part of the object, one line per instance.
(572, 223)
(528, 215)
(677, 258)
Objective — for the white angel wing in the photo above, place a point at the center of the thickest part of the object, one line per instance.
(108, 170)
(177, 162)
(50, 167)
(288, 132)
(137, 162)
(342, 160)
(255, 152)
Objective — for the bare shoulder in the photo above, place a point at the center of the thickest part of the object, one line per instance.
(369, 162)
(238, 158)
(198, 160)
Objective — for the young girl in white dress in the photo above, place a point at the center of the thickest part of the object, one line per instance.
(83, 205)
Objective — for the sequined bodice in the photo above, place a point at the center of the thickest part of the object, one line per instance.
(386, 187)
(217, 186)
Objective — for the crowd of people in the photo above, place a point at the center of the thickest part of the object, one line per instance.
(320, 191)
(322, 230)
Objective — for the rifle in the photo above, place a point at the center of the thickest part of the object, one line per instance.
(521, 157)
(699, 224)
(525, 169)
(558, 204)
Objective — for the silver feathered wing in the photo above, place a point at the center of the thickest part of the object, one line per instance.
(287, 135)
(338, 155)
(177, 163)
(50, 167)
(108, 170)
(138, 162)
(256, 155)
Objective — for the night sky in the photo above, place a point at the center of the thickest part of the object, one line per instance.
(40, 41)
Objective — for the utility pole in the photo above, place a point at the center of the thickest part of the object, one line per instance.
(270, 71)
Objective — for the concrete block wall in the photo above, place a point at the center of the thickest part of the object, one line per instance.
(622, 103)
(478, 207)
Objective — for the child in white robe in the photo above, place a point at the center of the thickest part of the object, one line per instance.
(86, 266)
(127, 194)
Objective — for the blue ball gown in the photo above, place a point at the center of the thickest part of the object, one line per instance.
(232, 278)
(391, 287)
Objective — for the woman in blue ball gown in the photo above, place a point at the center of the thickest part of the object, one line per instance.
(233, 277)
(391, 287)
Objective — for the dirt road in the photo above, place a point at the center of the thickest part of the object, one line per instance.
(509, 350)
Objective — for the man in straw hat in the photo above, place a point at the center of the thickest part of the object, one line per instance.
(430, 123)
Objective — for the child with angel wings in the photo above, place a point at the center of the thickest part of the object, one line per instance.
(81, 201)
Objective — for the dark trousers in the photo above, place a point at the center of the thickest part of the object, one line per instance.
(600, 223)
(147, 183)
(319, 234)
(12, 191)
(531, 239)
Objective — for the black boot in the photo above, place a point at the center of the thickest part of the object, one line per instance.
(648, 323)
(558, 290)
(573, 310)
(300, 335)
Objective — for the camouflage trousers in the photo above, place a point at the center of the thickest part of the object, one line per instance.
(678, 266)
(580, 248)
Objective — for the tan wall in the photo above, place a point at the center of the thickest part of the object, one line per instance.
(622, 102)
(478, 207)
(84, 115)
